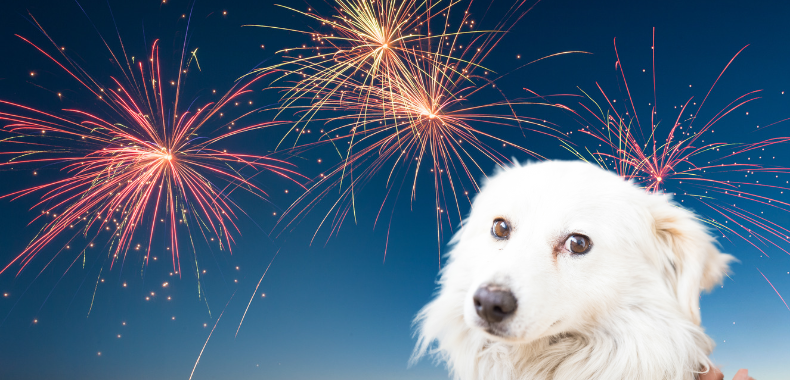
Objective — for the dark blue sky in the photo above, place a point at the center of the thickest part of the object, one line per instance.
(339, 310)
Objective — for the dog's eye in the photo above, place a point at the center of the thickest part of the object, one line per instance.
(578, 244)
(500, 229)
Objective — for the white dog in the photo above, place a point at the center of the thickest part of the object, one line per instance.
(566, 271)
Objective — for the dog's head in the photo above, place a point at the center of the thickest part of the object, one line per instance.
(551, 247)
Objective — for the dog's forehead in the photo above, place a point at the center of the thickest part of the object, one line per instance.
(553, 183)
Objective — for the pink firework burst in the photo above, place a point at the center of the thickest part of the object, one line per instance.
(723, 182)
(147, 162)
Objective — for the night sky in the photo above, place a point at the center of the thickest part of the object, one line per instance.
(338, 308)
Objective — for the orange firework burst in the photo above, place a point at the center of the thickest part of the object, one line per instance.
(424, 111)
(371, 45)
(711, 176)
(146, 163)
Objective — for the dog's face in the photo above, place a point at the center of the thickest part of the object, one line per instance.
(551, 247)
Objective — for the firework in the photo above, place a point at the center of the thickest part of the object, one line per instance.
(372, 44)
(723, 182)
(427, 113)
(147, 162)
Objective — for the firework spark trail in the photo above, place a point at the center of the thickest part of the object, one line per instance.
(143, 163)
(209, 336)
(685, 165)
(774, 288)
(255, 291)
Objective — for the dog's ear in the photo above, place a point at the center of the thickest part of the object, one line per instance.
(691, 259)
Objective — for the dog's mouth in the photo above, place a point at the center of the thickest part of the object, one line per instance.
(497, 330)
(503, 332)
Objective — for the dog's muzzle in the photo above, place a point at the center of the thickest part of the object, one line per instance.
(494, 303)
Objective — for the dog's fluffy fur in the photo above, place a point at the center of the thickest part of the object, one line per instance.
(627, 309)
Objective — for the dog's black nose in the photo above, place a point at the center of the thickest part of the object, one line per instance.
(494, 303)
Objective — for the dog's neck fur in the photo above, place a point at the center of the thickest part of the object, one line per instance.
(639, 341)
